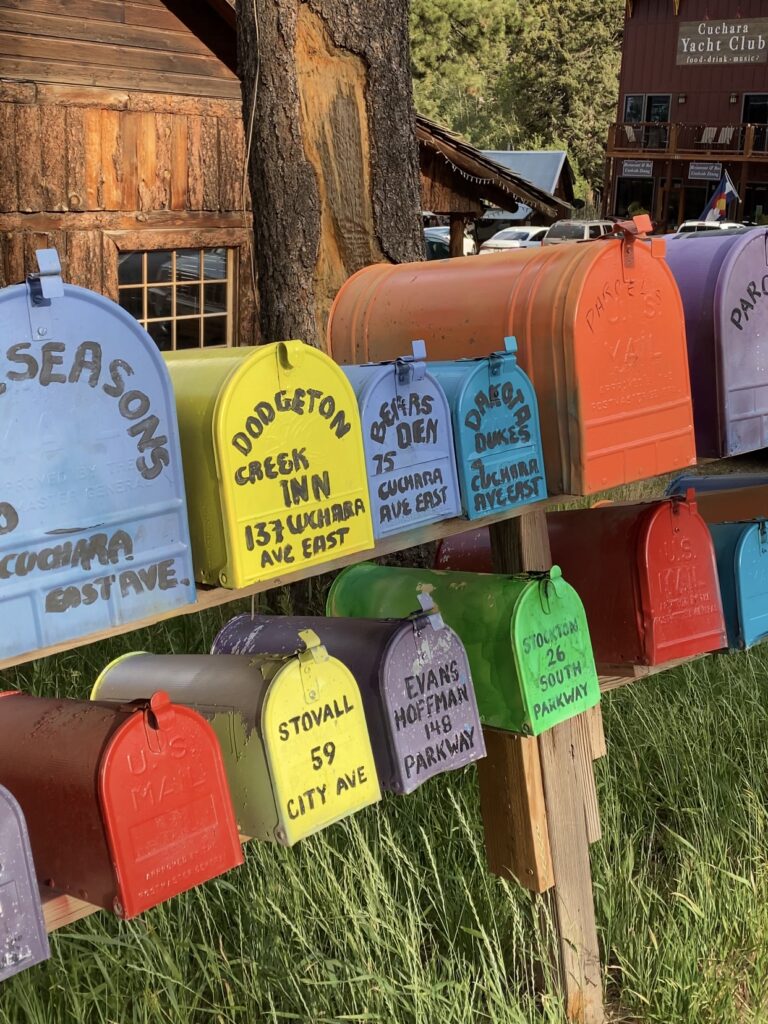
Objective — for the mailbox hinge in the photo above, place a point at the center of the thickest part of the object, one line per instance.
(42, 287)
(413, 367)
(314, 654)
(496, 359)
(429, 615)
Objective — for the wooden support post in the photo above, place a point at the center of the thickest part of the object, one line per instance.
(456, 247)
(570, 802)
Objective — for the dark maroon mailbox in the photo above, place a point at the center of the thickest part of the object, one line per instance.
(125, 806)
(23, 940)
(466, 552)
(647, 576)
(723, 281)
(414, 680)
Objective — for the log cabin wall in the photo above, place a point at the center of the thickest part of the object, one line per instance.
(119, 131)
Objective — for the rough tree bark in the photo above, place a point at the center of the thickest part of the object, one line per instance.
(334, 171)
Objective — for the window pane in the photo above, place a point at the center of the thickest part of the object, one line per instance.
(161, 334)
(215, 264)
(633, 108)
(188, 265)
(216, 298)
(129, 268)
(132, 300)
(159, 302)
(159, 266)
(215, 330)
(187, 299)
(188, 333)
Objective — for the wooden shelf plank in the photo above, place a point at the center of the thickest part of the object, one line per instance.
(212, 597)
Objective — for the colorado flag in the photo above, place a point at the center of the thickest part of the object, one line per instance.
(717, 206)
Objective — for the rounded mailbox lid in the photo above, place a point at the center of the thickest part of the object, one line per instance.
(496, 425)
(408, 440)
(430, 702)
(727, 336)
(317, 744)
(274, 461)
(600, 331)
(93, 524)
(751, 565)
(23, 939)
(553, 653)
(682, 609)
(166, 806)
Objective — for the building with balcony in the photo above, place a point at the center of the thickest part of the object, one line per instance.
(693, 102)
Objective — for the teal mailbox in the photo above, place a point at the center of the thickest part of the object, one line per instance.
(742, 565)
(496, 430)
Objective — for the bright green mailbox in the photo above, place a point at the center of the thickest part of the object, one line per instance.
(526, 636)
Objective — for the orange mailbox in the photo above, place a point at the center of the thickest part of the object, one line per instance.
(125, 806)
(600, 331)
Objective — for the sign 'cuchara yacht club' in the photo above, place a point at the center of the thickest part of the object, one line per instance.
(743, 41)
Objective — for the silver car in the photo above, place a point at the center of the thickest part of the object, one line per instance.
(514, 238)
(577, 231)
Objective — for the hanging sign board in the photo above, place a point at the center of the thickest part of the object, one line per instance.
(93, 520)
(23, 939)
(414, 681)
(723, 41)
(496, 426)
(273, 459)
(408, 439)
(704, 170)
(637, 168)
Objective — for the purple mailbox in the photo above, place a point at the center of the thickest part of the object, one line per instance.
(408, 440)
(23, 940)
(414, 680)
(723, 281)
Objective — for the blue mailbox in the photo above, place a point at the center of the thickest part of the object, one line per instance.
(408, 440)
(497, 431)
(712, 482)
(93, 520)
(742, 565)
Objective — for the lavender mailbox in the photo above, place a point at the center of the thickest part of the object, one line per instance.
(408, 440)
(723, 281)
(23, 941)
(414, 680)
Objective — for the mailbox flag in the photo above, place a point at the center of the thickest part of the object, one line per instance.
(716, 208)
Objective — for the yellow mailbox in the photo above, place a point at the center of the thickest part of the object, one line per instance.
(273, 460)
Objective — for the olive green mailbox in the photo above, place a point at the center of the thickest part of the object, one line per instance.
(526, 635)
(292, 730)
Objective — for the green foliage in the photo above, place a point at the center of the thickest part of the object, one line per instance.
(521, 74)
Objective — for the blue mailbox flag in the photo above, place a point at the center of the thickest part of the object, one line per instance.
(742, 565)
(497, 431)
(93, 523)
(408, 440)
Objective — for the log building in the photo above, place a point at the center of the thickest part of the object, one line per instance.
(693, 101)
(122, 145)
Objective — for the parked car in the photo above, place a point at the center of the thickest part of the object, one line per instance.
(577, 231)
(514, 238)
(443, 234)
(435, 247)
(689, 226)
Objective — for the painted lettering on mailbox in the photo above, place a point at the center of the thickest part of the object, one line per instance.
(430, 726)
(53, 363)
(752, 299)
(300, 478)
(404, 423)
(319, 753)
(560, 669)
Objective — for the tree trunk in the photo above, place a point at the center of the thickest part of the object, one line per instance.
(334, 162)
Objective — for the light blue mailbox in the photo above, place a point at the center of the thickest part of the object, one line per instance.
(408, 440)
(93, 521)
(497, 431)
(742, 565)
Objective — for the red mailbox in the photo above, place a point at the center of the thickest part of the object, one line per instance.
(647, 576)
(125, 806)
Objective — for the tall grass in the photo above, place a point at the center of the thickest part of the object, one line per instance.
(392, 917)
